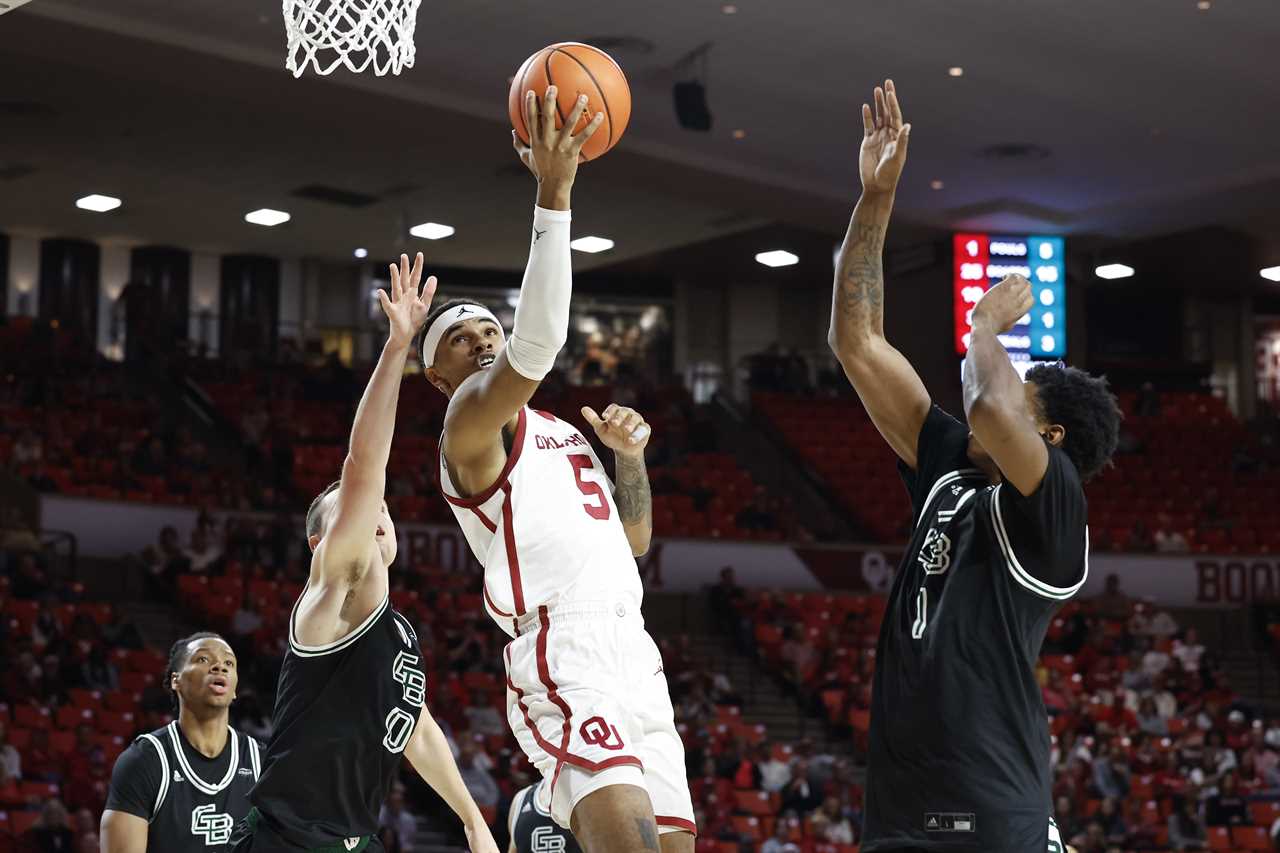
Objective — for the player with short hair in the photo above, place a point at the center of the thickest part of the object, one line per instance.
(530, 825)
(958, 754)
(185, 785)
(587, 697)
(352, 696)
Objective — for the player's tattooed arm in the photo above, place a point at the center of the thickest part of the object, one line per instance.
(635, 502)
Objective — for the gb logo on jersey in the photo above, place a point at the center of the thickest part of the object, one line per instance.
(547, 840)
(215, 828)
(597, 732)
(935, 553)
(405, 670)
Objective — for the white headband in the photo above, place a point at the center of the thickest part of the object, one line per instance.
(431, 340)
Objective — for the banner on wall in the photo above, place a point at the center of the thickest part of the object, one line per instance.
(107, 529)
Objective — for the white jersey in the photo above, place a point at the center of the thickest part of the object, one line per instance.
(547, 532)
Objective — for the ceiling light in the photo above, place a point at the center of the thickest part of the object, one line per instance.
(777, 258)
(1113, 271)
(432, 231)
(729, 9)
(739, 134)
(98, 203)
(1271, 273)
(936, 185)
(1203, 5)
(267, 216)
(361, 253)
(955, 71)
(591, 245)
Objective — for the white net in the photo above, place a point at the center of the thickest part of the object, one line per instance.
(324, 34)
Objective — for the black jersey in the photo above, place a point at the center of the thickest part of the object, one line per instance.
(344, 713)
(189, 801)
(532, 829)
(958, 752)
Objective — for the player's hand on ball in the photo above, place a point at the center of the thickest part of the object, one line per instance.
(553, 155)
(884, 141)
(1003, 305)
(621, 429)
(407, 308)
(479, 838)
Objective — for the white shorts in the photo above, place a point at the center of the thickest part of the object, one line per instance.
(587, 700)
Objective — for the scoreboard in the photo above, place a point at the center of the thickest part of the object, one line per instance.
(981, 260)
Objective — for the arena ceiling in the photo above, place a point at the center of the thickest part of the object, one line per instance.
(1089, 117)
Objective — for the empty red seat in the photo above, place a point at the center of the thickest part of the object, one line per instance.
(1250, 838)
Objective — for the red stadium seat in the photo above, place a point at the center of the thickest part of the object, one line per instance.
(748, 827)
(70, 716)
(37, 792)
(21, 821)
(32, 717)
(1264, 813)
(1250, 838)
(120, 723)
(756, 803)
(1219, 838)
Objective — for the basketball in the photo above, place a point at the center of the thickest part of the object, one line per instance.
(575, 69)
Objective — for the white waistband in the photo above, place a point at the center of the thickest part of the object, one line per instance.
(622, 607)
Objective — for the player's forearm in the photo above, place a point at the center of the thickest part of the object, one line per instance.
(554, 194)
(635, 501)
(990, 382)
(857, 299)
(429, 753)
(375, 419)
(542, 316)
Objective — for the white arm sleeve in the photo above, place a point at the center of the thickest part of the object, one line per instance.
(542, 317)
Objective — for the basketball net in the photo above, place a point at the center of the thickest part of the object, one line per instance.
(324, 34)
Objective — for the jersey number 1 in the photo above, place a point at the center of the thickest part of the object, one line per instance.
(582, 462)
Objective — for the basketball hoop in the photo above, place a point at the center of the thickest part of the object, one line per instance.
(324, 34)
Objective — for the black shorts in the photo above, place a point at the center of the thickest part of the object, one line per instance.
(258, 834)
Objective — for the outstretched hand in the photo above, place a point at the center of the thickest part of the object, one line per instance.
(407, 308)
(884, 142)
(620, 429)
(1005, 304)
(553, 154)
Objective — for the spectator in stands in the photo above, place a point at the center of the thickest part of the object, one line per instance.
(1186, 829)
(1162, 625)
(202, 554)
(780, 841)
(1064, 814)
(1149, 719)
(40, 761)
(10, 759)
(51, 833)
(1110, 774)
(774, 773)
(483, 716)
(1189, 650)
(1113, 825)
(1147, 402)
(1140, 540)
(395, 816)
(830, 823)
(28, 449)
(1226, 807)
(97, 672)
(1154, 661)
(799, 655)
(1094, 839)
(29, 578)
(1113, 601)
(798, 795)
(1136, 678)
(1168, 539)
(484, 790)
(175, 561)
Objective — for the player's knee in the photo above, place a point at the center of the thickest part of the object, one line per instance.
(615, 818)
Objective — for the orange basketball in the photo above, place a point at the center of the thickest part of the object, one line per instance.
(575, 69)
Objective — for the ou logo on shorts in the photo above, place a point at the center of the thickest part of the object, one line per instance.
(597, 732)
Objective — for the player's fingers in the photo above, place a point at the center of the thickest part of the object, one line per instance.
(549, 112)
(895, 110)
(619, 416)
(586, 133)
(415, 275)
(589, 414)
(639, 434)
(881, 109)
(607, 414)
(429, 290)
(531, 121)
(566, 132)
(631, 422)
(868, 121)
(384, 300)
(395, 278)
(904, 136)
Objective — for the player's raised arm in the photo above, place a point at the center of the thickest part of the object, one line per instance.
(888, 386)
(354, 520)
(624, 431)
(995, 401)
(489, 399)
(428, 751)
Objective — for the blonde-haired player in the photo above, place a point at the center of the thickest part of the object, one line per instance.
(587, 698)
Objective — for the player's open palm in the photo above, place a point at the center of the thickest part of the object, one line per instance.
(407, 308)
(1004, 305)
(553, 153)
(884, 141)
(619, 428)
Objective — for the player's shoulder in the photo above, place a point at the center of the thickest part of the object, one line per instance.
(146, 755)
